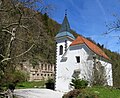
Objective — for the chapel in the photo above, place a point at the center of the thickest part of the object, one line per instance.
(78, 56)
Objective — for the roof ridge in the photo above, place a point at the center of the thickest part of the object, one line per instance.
(92, 46)
(101, 52)
(82, 38)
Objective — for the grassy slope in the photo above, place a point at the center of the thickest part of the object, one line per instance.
(104, 92)
(39, 84)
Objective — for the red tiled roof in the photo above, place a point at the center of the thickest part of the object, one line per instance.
(90, 45)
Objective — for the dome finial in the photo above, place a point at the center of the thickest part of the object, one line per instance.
(66, 12)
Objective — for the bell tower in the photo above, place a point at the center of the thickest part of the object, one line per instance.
(63, 39)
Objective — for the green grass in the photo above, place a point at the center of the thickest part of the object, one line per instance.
(22, 85)
(105, 92)
(102, 92)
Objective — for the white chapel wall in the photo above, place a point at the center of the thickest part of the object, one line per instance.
(108, 68)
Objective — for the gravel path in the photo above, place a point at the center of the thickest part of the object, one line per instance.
(37, 93)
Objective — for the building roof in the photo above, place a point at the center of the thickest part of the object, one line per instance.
(90, 45)
(65, 25)
(65, 33)
(65, 29)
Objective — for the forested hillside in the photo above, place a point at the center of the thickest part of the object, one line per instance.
(26, 34)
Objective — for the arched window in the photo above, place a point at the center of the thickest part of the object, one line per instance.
(61, 50)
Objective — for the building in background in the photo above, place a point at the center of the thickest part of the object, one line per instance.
(42, 71)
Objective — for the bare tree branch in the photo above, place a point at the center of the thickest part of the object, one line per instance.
(10, 25)
(2, 55)
(6, 59)
(5, 30)
(26, 28)
(114, 26)
(10, 43)
(21, 40)
(25, 51)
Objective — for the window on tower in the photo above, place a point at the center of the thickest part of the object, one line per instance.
(61, 50)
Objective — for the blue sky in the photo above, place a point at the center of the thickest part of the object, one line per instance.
(89, 18)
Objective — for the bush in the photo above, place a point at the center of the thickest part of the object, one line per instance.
(19, 76)
(10, 79)
(72, 94)
(76, 93)
(50, 84)
(78, 83)
(11, 86)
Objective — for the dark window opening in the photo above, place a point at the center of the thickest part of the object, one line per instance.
(37, 74)
(41, 66)
(51, 67)
(33, 66)
(61, 49)
(48, 67)
(78, 59)
(45, 66)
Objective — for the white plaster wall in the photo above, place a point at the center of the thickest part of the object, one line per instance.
(65, 70)
(108, 75)
(82, 51)
(62, 75)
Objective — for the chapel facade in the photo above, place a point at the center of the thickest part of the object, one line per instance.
(78, 55)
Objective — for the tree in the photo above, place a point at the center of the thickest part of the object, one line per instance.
(96, 73)
(99, 74)
(16, 39)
